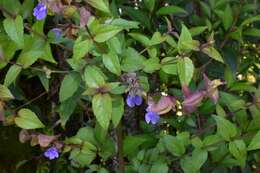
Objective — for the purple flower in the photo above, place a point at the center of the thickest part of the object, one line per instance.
(51, 153)
(152, 117)
(57, 32)
(40, 11)
(133, 101)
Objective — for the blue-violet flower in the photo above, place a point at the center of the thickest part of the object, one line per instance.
(40, 11)
(51, 153)
(133, 101)
(152, 117)
(57, 32)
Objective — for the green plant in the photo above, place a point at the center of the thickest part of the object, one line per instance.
(130, 86)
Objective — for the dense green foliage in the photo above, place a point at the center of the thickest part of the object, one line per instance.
(129, 86)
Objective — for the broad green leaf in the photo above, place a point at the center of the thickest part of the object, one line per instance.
(132, 61)
(102, 108)
(185, 70)
(170, 69)
(85, 155)
(12, 74)
(174, 145)
(117, 110)
(238, 149)
(251, 20)
(210, 140)
(87, 134)
(141, 38)
(69, 86)
(194, 163)
(106, 32)
(159, 168)
(185, 40)
(5, 94)
(7, 50)
(254, 32)
(227, 19)
(111, 62)
(44, 80)
(225, 128)
(66, 109)
(255, 142)
(34, 48)
(115, 45)
(131, 143)
(47, 55)
(125, 24)
(151, 65)
(197, 30)
(172, 9)
(157, 38)
(27, 119)
(81, 48)
(213, 53)
(149, 4)
(15, 30)
(93, 77)
(101, 5)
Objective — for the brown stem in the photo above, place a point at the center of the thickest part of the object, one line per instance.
(119, 132)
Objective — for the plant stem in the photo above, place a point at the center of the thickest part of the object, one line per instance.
(119, 132)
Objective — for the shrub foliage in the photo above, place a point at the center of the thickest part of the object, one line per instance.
(129, 86)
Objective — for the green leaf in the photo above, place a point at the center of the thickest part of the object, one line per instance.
(5, 94)
(14, 29)
(185, 40)
(227, 17)
(157, 38)
(85, 155)
(213, 53)
(125, 24)
(101, 5)
(106, 32)
(197, 30)
(93, 77)
(69, 86)
(185, 70)
(131, 143)
(194, 163)
(172, 9)
(27, 119)
(81, 48)
(255, 142)
(66, 109)
(238, 149)
(225, 128)
(174, 145)
(117, 110)
(47, 55)
(34, 48)
(159, 167)
(149, 4)
(141, 38)
(132, 61)
(102, 107)
(170, 69)
(151, 65)
(111, 62)
(12, 74)
(251, 20)
(254, 32)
